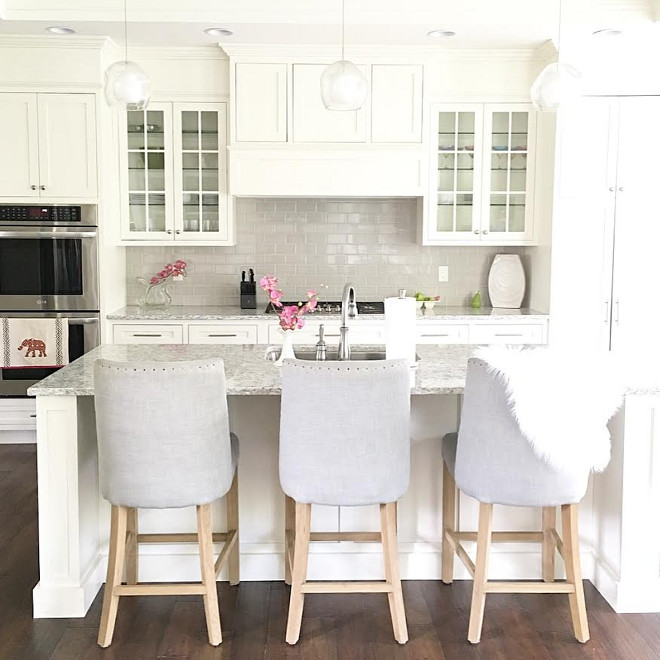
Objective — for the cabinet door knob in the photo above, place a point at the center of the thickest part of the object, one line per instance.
(476, 231)
(169, 231)
(178, 231)
(42, 187)
(611, 188)
(33, 187)
(621, 189)
(485, 231)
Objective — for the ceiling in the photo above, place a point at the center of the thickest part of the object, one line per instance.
(478, 23)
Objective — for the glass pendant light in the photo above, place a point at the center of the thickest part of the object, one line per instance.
(558, 83)
(126, 84)
(343, 85)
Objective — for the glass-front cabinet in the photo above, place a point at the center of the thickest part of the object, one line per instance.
(175, 174)
(481, 174)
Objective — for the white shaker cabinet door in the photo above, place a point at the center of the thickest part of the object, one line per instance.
(312, 121)
(67, 145)
(19, 170)
(396, 102)
(635, 316)
(261, 101)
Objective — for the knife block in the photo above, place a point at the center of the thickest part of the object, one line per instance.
(248, 295)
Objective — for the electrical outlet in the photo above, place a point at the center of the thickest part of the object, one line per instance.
(443, 273)
(177, 278)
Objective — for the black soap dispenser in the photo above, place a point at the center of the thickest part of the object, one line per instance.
(248, 292)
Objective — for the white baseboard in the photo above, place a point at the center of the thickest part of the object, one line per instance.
(626, 596)
(18, 437)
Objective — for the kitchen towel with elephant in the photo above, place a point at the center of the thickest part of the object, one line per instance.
(34, 342)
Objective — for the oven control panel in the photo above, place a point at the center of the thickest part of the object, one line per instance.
(40, 213)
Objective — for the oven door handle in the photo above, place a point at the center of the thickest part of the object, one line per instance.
(83, 321)
(14, 233)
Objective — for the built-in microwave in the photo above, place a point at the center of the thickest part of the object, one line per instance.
(48, 259)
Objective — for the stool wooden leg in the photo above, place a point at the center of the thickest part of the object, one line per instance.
(115, 571)
(289, 528)
(234, 560)
(481, 572)
(299, 576)
(569, 514)
(448, 523)
(132, 561)
(391, 558)
(211, 609)
(548, 550)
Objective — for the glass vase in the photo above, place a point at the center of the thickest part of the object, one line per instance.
(155, 295)
(287, 347)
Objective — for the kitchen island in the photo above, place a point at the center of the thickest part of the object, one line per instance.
(74, 518)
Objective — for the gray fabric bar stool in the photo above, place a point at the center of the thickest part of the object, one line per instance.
(164, 442)
(344, 441)
(491, 460)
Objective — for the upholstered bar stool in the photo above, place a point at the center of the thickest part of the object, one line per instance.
(164, 442)
(490, 460)
(344, 441)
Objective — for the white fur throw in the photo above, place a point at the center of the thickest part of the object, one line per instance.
(562, 402)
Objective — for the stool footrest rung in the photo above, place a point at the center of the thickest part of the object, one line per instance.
(345, 587)
(218, 537)
(529, 588)
(169, 589)
(503, 537)
(355, 537)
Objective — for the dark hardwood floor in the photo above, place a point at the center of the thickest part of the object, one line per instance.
(345, 627)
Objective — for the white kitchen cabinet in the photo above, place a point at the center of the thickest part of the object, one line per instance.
(52, 142)
(605, 232)
(261, 102)
(507, 333)
(174, 175)
(360, 332)
(223, 333)
(442, 333)
(396, 102)
(482, 175)
(147, 333)
(312, 121)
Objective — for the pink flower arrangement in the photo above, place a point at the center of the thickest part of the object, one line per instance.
(170, 270)
(292, 317)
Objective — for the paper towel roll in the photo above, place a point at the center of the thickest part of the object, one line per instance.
(400, 329)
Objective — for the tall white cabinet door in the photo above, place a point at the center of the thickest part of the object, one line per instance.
(67, 145)
(19, 169)
(312, 121)
(261, 101)
(636, 316)
(583, 224)
(396, 102)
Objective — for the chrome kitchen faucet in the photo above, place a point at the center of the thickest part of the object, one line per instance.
(348, 311)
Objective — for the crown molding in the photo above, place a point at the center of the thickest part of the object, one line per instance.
(53, 41)
(177, 52)
(302, 51)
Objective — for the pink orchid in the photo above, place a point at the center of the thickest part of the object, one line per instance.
(291, 316)
(170, 270)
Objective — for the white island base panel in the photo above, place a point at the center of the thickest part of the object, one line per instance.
(74, 519)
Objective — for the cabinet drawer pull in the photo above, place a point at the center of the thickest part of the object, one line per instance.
(328, 335)
(223, 335)
(145, 334)
(33, 415)
(442, 334)
(512, 334)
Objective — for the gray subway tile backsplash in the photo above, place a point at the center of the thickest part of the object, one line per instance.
(321, 243)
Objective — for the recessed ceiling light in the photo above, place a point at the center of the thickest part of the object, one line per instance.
(440, 34)
(607, 32)
(218, 32)
(60, 29)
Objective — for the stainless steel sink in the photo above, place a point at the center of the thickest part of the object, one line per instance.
(273, 352)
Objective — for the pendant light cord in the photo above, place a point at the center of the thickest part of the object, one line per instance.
(343, 26)
(125, 31)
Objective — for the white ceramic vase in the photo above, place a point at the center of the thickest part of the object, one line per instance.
(506, 282)
(287, 347)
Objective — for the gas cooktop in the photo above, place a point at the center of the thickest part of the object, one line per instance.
(333, 307)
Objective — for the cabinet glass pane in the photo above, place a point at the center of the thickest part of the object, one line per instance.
(499, 171)
(455, 180)
(517, 213)
(201, 170)
(498, 205)
(146, 170)
(518, 182)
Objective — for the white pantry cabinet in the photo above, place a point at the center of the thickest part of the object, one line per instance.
(52, 142)
(312, 121)
(605, 231)
(481, 175)
(174, 175)
(260, 102)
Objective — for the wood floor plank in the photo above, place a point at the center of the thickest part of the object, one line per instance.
(335, 626)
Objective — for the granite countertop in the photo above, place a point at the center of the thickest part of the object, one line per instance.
(441, 369)
(218, 313)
